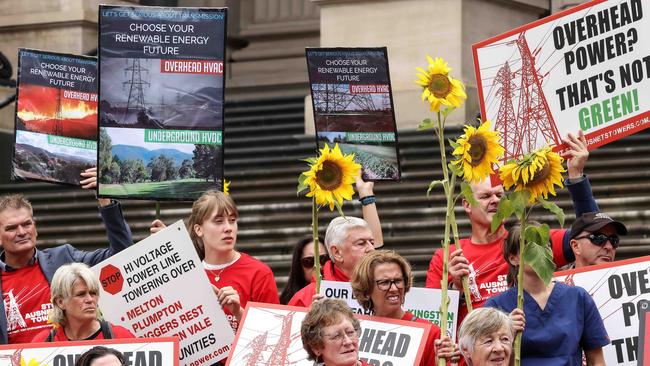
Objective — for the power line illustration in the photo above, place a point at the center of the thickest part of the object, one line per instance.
(14, 318)
(279, 354)
(257, 346)
(136, 87)
(332, 98)
(506, 121)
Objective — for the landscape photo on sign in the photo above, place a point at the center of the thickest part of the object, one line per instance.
(56, 116)
(161, 101)
(584, 69)
(353, 107)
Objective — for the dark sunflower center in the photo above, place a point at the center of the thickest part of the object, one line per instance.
(540, 175)
(330, 177)
(477, 149)
(440, 86)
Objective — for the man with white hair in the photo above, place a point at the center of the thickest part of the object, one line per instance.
(347, 240)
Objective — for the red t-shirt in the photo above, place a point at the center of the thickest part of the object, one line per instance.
(118, 332)
(26, 295)
(304, 296)
(488, 269)
(252, 279)
(429, 355)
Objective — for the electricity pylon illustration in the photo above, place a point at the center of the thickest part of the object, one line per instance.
(14, 318)
(136, 87)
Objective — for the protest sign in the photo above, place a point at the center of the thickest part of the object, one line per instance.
(422, 302)
(584, 69)
(353, 106)
(644, 333)
(618, 289)
(56, 116)
(161, 87)
(145, 289)
(270, 335)
(136, 351)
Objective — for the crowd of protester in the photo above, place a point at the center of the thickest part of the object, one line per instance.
(60, 283)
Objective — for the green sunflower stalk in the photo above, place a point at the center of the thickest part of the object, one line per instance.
(533, 177)
(328, 182)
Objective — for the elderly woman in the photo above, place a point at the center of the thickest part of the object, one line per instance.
(486, 337)
(380, 283)
(330, 334)
(561, 321)
(75, 313)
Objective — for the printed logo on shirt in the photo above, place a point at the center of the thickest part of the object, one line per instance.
(495, 287)
(14, 307)
(234, 323)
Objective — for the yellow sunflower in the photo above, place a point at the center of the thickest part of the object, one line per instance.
(439, 88)
(537, 172)
(226, 187)
(31, 362)
(330, 177)
(476, 151)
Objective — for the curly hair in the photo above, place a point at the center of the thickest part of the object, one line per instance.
(322, 314)
(363, 278)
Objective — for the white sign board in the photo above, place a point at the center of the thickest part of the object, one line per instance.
(586, 68)
(619, 289)
(270, 335)
(136, 351)
(421, 302)
(145, 289)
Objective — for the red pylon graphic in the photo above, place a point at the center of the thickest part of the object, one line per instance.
(279, 354)
(506, 121)
(534, 117)
(257, 346)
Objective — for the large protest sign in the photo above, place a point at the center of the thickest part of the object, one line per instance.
(136, 351)
(586, 68)
(270, 335)
(161, 87)
(56, 116)
(619, 290)
(421, 302)
(145, 289)
(353, 106)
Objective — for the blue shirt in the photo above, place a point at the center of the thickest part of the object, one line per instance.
(557, 335)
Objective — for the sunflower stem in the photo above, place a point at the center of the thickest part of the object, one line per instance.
(314, 229)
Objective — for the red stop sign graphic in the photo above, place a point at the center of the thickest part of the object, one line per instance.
(111, 279)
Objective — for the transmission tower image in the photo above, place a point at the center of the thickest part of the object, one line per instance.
(136, 85)
(522, 115)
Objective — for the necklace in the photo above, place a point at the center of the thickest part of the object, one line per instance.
(214, 268)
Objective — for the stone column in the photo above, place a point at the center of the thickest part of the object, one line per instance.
(413, 28)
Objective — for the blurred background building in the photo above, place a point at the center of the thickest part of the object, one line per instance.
(269, 125)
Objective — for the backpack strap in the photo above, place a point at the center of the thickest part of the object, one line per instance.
(50, 337)
(107, 332)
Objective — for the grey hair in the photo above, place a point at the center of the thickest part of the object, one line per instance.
(479, 323)
(337, 230)
(63, 281)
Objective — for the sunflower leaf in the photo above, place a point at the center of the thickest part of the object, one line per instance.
(447, 111)
(468, 195)
(455, 169)
(433, 184)
(504, 211)
(339, 208)
(555, 209)
(301, 183)
(311, 160)
(426, 124)
(519, 199)
(453, 144)
(538, 234)
(540, 258)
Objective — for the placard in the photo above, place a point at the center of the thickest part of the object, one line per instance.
(161, 86)
(136, 351)
(270, 335)
(353, 106)
(145, 289)
(618, 289)
(55, 130)
(586, 68)
(422, 302)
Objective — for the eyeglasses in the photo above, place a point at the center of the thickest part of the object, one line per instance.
(338, 337)
(601, 239)
(308, 262)
(385, 285)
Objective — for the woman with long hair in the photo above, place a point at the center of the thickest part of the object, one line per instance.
(561, 321)
(302, 266)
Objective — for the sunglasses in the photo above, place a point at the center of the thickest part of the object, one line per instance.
(601, 239)
(308, 262)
